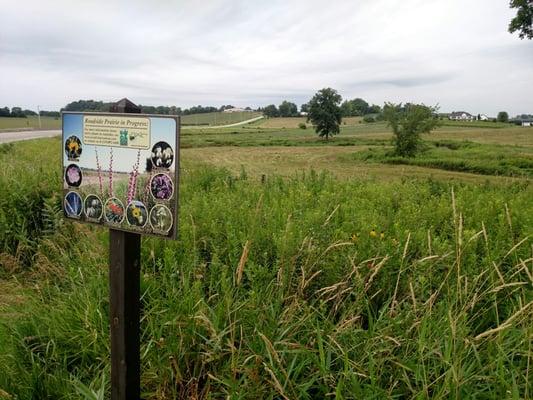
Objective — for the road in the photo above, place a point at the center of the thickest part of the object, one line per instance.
(15, 136)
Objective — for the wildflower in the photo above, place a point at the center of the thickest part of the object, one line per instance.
(373, 233)
(354, 238)
(382, 235)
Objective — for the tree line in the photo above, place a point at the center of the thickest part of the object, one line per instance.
(349, 108)
(100, 106)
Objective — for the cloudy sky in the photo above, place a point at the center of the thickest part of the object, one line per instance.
(455, 53)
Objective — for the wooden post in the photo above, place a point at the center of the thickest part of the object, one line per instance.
(124, 285)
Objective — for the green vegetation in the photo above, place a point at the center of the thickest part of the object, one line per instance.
(30, 122)
(325, 112)
(408, 122)
(523, 21)
(396, 281)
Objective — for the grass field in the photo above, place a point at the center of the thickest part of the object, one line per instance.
(208, 119)
(345, 273)
(29, 122)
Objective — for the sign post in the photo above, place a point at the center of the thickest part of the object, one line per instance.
(120, 171)
(124, 304)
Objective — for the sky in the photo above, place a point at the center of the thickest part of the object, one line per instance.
(456, 54)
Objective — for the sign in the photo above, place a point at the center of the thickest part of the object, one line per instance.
(121, 171)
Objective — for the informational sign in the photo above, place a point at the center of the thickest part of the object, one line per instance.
(121, 171)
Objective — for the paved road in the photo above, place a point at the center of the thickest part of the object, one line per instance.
(6, 137)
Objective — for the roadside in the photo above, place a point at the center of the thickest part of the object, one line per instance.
(15, 136)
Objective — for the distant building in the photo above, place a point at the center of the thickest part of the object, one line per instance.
(461, 116)
(483, 117)
(236, 109)
(303, 114)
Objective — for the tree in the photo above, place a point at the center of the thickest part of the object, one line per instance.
(17, 112)
(325, 112)
(4, 112)
(271, 111)
(522, 22)
(408, 122)
(288, 109)
(503, 116)
(355, 108)
(304, 108)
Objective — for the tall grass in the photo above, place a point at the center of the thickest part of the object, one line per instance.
(300, 288)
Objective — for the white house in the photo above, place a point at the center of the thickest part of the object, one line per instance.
(483, 117)
(461, 116)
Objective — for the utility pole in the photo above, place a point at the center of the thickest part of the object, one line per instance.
(39, 116)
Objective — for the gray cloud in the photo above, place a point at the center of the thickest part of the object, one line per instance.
(243, 52)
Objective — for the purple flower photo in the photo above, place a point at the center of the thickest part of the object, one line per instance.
(73, 175)
(161, 187)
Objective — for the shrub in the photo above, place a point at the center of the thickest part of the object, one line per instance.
(302, 125)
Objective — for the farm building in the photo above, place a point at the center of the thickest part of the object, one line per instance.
(461, 116)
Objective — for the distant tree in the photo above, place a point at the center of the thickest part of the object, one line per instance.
(355, 108)
(479, 117)
(17, 112)
(29, 112)
(288, 109)
(44, 113)
(408, 122)
(248, 109)
(502, 116)
(368, 119)
(522, 22)
(374, 109)
(304, 108)
(87, 105)
(271, 111)
(325, 112)
(4, 112)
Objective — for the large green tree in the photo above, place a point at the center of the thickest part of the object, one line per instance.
(408, 122)
(325, 112)
(288, 109)
(271, 111)
(522, 22)
(503, 116)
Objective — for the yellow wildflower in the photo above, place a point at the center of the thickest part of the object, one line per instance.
(373, 233)
(382, 235)
(354, 238)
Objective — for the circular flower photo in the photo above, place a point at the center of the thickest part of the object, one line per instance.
(73, 205)
(136, 214)
(73, 147)
(162, 155)
(93, 207)
(160, 218)
(73, 175)
(161, 187)
(114, 211)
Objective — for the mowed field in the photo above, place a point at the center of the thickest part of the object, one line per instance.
(31, 122)
(304, 269)
(207, 119)
(452, 152)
